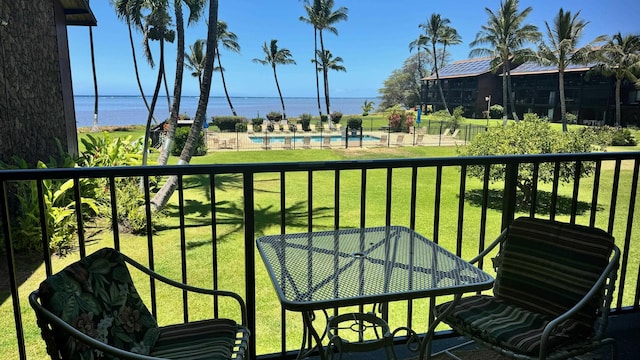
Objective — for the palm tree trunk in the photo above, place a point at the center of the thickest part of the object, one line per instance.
(162, 197)
(224, 85)
(154, 99)
(315, 57)
(505, 98)
(284, 112)
(563, 105)
(512, 97)
(324, 77)
(166, 90)
(618, 83)
(135, 66)
(177, 87)
(435, 65)
(94, 128)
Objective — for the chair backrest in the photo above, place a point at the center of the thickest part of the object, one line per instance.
(96, 295)
(548, 267)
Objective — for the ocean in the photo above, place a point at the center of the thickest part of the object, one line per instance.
(130, 110)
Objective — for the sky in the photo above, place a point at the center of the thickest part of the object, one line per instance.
(373, 42)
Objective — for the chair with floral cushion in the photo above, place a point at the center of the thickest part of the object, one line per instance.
(552, 294)
(91, 310)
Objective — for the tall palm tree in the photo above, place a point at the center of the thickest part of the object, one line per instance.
(229, 41)
(436, 28)
(620, 57)
(274, 56)
(195, 59)
(417, 45)
(94, 128)
(328, 62)
(562, 49)
(325, 20)
(162, 197)
(450, 36)
(312, 13)
(504, 37)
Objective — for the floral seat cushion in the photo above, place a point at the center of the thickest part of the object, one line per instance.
(96, 296)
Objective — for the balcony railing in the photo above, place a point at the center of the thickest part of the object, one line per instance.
(438, 197)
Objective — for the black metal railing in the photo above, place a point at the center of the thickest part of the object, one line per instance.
(439, 197)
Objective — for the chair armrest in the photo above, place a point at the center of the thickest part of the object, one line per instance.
(594, 291)
(499, 240)
(60, 324)
(164, 279)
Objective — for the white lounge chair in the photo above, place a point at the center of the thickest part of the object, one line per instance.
(287, 143)
(306, 142)
(326, 142)
(419, 139)
(455, 133)
(400, 140)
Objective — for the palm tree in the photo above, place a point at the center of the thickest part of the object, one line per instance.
(436, 28)
(562, 49)
(505, 36)
(450, 36)
(274, 56)
(229, 41)
(620, 56)
(94, 128)
(312, 12)
(325, 17)
(417, 44)
(328, 62)
(162, 197)
(195, 59)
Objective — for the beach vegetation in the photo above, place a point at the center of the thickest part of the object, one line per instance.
(228, 123)
(182, 134)
(533, 135)
(367, 107)
(274, 116)
(354, 122)
(504, 38)
(336, 116)
(305, 120)
(561, 50)
(274, 56)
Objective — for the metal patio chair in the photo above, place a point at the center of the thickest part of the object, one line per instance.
(552, 294)
(91, 310)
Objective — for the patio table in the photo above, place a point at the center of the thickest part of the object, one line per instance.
(329, 269)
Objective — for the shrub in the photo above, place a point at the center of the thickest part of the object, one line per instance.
(305, 120)
(227, 123)
(622, 137)
(572, 118)
(456, 118)
(274, 116)
(324, 118)
(336, 116)
(182, 133)
(399, 118)
(354, 122)
(131, 210)
(495, 111)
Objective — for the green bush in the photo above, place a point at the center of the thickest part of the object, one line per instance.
(622, 137)
(274, 116)
(495, 111)
(305, 120)
(336, 116)
(456, 118)
(228, 123)
(131, 209)
(182, 133)
(354, 122)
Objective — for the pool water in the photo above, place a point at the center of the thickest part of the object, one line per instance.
(314, 138)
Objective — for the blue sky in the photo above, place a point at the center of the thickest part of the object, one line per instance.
(373, 42)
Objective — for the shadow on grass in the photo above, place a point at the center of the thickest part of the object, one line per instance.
(543, 203)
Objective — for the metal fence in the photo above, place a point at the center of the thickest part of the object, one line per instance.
(449, 200)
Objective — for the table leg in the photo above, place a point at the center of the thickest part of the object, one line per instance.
(308, 330)
(425, 345)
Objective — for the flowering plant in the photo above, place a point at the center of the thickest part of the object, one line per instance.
(399, 118)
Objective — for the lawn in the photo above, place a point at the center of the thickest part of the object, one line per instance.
(229, 243)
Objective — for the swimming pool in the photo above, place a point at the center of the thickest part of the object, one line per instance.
(314, 138)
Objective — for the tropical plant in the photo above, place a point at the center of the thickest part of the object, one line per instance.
(504, 37)
(323, 17)
(456, 118)
(399, 118)
(367, 107)
(229, 41)
(195, 59)
(354, 122)
(438, 31)
(276, 56)
(531, 136)
(562, 49)
(328, 62)
(182, 133)
(620, 56)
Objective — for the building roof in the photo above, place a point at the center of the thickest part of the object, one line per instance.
(463, 68)
(532, 67)
(78, 12)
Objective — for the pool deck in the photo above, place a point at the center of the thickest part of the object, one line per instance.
(217, 141)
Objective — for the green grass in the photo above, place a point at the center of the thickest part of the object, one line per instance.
(230, 242)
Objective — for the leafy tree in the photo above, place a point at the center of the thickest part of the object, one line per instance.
(274, 56)
(229, 41)
(402, 86)
(504, 38)
(562, 49)
(620, 56)
(531, 136)
(438, 31)
(328, 62)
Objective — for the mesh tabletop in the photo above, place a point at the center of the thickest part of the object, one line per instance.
(355, 266)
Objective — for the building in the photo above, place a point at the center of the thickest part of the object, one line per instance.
(36, 99)
(589, 96)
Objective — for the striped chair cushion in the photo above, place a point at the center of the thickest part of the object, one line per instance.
(496, 322)
(208, 339)
(547, 267)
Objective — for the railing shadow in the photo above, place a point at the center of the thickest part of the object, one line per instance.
(543, 202)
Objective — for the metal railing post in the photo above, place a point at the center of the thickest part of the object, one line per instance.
(510, 193)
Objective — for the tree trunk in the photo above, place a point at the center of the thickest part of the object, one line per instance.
(315, 57)
(162, 197)
(284, 112)
(135, 66)
(224, 84)
(156, 92)
(505, 98)
(324, 77)
(165, 152)
(435, 65)
(618, 83)
(512, 97)
(94, 128)
(563, 106)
